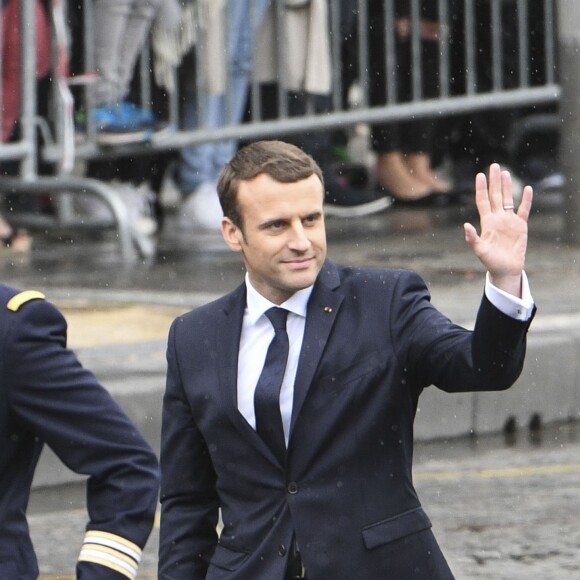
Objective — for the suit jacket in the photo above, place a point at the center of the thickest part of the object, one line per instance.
(46, 396)
(372, 343)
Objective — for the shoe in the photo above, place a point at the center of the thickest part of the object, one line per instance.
(343, 200)
(124, 123)
(201, 210)
(139, 201)
(432, 199)
(169, 192)
(542, 173)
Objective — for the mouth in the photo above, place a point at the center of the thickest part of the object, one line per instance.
(299, 263)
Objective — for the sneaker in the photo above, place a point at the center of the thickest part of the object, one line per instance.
(169, 192)
(201, 210)
(125, 123)
(342, 199)
(140, 202)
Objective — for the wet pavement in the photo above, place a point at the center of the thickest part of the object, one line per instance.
(83, 268)
(500, 509)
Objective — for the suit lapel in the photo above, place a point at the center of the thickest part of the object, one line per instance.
(228, 336)
(323, 308)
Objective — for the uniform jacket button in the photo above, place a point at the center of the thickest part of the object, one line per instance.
(293, 488)
(281, 550)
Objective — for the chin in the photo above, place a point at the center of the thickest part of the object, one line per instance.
(302, 280)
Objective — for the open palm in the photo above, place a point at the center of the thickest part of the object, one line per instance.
(502, 242)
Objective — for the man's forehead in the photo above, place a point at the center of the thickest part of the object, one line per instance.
(265, 178)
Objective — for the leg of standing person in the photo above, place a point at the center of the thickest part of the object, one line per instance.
(137, 28)
(10, 54)
(480, 138)
(404, 148)
(18, 239)
(417, 137)
(121, 28)
(200, 164)
(10, 67)
(111, 18)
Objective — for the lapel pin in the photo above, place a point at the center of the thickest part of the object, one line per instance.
(327, 309)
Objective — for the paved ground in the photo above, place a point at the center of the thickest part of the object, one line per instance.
(500, 511)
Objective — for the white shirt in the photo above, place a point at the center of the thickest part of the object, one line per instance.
(510, 305)
(258, 332)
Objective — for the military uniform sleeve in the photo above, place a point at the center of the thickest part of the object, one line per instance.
(53, 396)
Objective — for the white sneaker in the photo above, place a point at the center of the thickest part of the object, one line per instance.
(169, 193)
(201, 210)
(139, 202)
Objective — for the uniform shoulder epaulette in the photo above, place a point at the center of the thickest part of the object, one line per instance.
(22, 298)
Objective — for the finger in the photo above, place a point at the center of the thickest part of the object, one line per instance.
(507, 191)
(482, 194)
(471, 236)
(526, 203)
(495, 188)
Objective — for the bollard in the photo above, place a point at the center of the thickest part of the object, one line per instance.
(569, 55)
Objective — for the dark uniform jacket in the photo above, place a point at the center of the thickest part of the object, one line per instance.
(46, 396)
(372, 343)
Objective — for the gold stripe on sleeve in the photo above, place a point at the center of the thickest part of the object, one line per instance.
(107, 562)
(113, 541)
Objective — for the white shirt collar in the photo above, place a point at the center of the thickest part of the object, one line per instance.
(257, 304)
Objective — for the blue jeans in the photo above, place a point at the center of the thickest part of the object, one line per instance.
(203, 163)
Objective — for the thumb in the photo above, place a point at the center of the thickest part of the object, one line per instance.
(470, 234)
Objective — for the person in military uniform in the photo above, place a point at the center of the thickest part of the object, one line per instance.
(46, 396)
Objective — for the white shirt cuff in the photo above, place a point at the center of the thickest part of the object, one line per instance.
(510, 305)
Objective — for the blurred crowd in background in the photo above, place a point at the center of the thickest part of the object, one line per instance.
(228, 71)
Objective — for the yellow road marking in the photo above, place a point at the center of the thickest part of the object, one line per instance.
(118, 325)
(498, 472)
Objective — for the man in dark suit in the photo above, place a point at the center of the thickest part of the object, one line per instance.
(46, 396)
(337, 501)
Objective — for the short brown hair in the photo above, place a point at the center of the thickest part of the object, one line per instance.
(282, 161)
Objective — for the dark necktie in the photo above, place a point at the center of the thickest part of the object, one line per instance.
(267, 395)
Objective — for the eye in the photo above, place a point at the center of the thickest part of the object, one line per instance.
(311, 219)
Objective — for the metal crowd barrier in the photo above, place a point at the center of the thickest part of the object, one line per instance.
(516, 86)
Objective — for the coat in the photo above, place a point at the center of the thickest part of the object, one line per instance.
(372, 343)
(47, 397)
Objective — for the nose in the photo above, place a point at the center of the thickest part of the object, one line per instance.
(299, 240)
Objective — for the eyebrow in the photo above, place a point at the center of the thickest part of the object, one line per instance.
(267, 224)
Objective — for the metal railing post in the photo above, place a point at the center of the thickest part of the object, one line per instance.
(569, 48)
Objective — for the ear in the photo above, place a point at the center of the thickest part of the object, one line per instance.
(232, 234)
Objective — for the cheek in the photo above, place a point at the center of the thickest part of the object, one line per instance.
(266, 251)
(319, 239)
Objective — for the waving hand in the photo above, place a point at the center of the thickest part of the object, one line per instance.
(502, 242)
